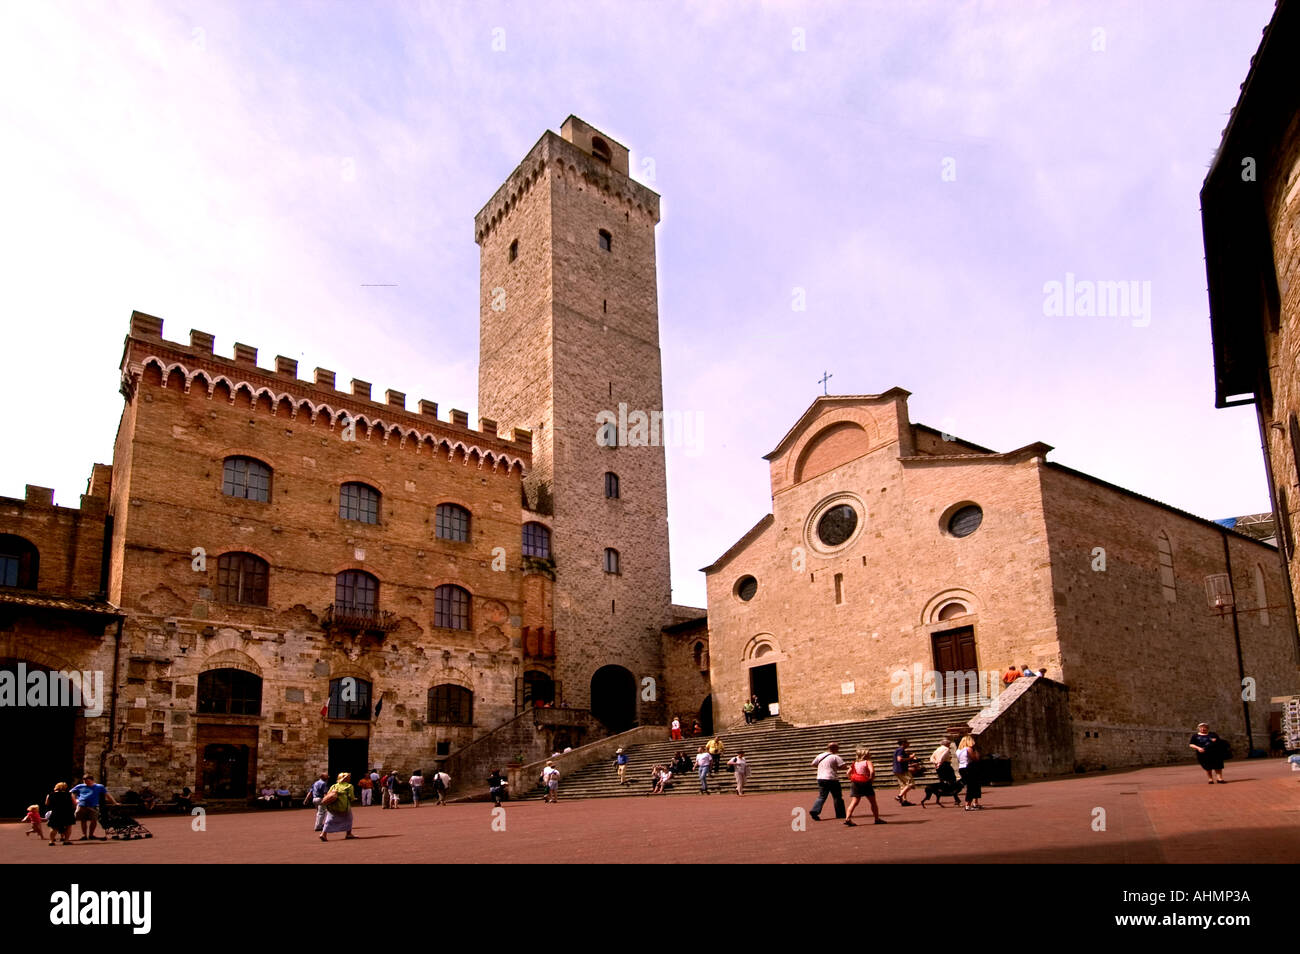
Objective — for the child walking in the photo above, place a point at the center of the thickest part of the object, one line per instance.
(33, 817)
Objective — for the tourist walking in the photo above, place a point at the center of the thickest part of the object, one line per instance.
(861, 773)
(828, 766)
(314, 796)
(747, 710)
(89, 794)
(338, 807)
(741, 768)
(63, 812)
(33, 818)
(702, 762)
(758, 707)
(620, 760)
(968, 757)
(903, 767)
(941, 760)
(497, 787)
(1209, 752)
(715, 748)
(551, 779)
(390, 789)
(417, 784)
(441, 783)
(367, 788)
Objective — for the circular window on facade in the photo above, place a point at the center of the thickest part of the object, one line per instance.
(746, 587)
(965, 520)
(837, 525)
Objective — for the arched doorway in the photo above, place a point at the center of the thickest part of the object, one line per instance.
(539, 689)
(43, 743)
(613, 698)
(225, 736)
(706, 715)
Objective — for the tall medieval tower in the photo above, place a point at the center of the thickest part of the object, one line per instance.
(569, 331)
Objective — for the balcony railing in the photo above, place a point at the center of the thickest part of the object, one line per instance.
(358, 619)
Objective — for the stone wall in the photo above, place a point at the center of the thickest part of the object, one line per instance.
(570, 330)
(1147, 661)
(1029, 723)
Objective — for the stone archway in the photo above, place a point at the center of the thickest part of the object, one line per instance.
(613, 698)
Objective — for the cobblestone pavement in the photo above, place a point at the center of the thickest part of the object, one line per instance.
(1166, 814)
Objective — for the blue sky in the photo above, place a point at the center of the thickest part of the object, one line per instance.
(246, 168)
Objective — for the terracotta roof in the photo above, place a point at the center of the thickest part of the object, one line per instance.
(67, 604)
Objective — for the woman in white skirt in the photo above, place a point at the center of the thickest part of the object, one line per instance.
(338, 812)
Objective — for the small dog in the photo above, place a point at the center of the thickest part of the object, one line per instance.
(938, 790)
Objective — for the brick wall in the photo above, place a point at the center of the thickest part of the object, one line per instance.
(173, 445)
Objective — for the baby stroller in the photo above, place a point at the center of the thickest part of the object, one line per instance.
(121, 826)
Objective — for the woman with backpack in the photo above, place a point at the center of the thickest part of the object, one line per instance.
(861, 772)
(968, 757)
(338, 806)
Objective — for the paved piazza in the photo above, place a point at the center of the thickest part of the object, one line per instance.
(1154, 815)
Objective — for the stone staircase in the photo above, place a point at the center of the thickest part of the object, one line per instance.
(779, 755)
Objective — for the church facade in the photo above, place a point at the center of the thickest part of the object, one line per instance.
(903, 567)
(278, 576)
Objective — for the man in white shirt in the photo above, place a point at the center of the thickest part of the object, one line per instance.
(702, 762)
(551, 777)
(829, 765)
(441, 783)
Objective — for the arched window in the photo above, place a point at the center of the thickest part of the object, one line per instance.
(606, 241)
(701, 653)
(537, 541)
(451, 705)
(1166, 567)
(246, 477)
(359, 502)
(451, 607)
(611, 560)
(600, 149)
(952, 609)
(19, 562)
(356, 593)
(1261, 595)
(230, 692)
(241, 578)
(611, 485)
(452, 522)
(514, 251)
(349, 698)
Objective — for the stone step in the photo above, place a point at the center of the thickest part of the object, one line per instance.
(779, 755)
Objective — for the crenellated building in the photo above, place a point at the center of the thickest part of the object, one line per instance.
(278, 576)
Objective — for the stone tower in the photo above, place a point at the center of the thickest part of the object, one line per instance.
(569, 338)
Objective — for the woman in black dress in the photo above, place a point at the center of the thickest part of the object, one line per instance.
(1209, 752)
(62, 808)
